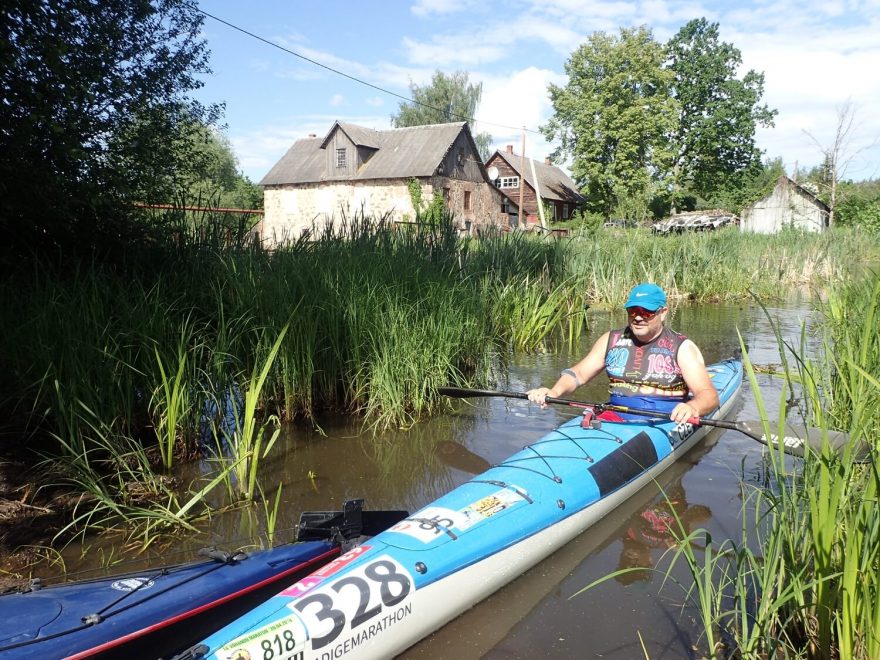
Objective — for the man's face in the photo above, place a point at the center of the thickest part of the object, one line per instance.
(644, 323)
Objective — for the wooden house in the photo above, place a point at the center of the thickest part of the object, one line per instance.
(788, 205)
(353, 169)
(510, 171)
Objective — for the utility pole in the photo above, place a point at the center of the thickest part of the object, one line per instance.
(522, 170)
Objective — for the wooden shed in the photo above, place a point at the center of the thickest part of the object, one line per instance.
(789, 205)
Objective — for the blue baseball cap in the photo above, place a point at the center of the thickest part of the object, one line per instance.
(649, 296)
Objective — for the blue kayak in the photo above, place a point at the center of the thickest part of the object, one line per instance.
(159, 612)
(406, 582)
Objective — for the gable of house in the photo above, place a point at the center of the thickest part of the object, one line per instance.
(416, 151)
(551, 182)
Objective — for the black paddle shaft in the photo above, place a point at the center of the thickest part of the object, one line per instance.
(794, 440)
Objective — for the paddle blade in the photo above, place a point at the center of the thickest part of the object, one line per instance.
(799, 439)
(460, 457)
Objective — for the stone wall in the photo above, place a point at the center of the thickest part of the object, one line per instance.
(291, 211)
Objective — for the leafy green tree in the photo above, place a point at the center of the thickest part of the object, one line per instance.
(753, 183)
(449, 98)
(613, 118)
(94, 98)
(211, 175)
(713, 141)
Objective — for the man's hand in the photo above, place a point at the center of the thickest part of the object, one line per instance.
(683, 412)
(539, 396)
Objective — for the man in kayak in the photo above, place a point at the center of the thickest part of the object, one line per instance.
(649, 366)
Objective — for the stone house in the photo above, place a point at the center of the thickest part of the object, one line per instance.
(556, 188)
(353, 169)
(789, 204)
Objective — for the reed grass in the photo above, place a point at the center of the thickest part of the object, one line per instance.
(379, 317)
(804, 579)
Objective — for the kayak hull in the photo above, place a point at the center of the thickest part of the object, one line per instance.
(401, 585)
(151, 612)
(160, 611)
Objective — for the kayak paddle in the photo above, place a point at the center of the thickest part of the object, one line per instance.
(793, 442)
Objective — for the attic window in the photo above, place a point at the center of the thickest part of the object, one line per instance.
(508, 182)
(461, 156)
(340, 157)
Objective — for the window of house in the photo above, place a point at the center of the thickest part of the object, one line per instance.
(565, 211)
(340, 157)
(467, 200)
(508, 182)
(460, 157)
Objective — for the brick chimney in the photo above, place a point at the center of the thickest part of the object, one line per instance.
(312, 135)
(547, 161)
(510, 148)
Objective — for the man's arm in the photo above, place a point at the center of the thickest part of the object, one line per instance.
(584, 371)
(693, 370)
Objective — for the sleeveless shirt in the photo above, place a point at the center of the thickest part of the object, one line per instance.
(632, 365)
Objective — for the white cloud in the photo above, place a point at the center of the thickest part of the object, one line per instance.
(426, 8)
(336, 100)
(462, 50)
(518, 100)
(374, 101)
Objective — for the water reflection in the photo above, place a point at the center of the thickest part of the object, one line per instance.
(458, 456)
(657, 528)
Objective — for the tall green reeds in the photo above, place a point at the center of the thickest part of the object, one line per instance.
(379, 317)
(804, 579)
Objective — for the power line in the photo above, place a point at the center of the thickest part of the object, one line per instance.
(354, 78)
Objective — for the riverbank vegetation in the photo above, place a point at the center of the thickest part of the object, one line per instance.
(124, 368)
(803, 580)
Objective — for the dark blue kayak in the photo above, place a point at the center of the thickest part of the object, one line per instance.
(157, 612)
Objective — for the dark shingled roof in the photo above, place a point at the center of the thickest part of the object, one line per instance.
(400, 153)
(554, 183)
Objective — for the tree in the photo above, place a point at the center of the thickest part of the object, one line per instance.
(448, 98)
(211, 175)
(713, 142)
(613, 118)
(94, 98)
(837, 155)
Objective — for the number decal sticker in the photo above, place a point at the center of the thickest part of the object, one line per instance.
(280, 640)
(362, 603)
(334, 618)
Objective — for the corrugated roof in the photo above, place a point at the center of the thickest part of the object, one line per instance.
(554, 183)
(400, 153)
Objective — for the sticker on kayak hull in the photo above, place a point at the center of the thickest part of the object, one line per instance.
(429, 523)
(312, 580)
(336, 618)
(133, 584)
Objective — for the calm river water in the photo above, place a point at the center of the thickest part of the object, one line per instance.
(538, 614)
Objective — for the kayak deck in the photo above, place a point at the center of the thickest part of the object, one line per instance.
(406, 582)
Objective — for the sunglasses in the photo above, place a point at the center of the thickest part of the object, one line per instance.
(644, 313)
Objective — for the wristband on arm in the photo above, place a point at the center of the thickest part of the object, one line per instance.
(570, 372)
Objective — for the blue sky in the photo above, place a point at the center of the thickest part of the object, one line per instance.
(816, 57)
